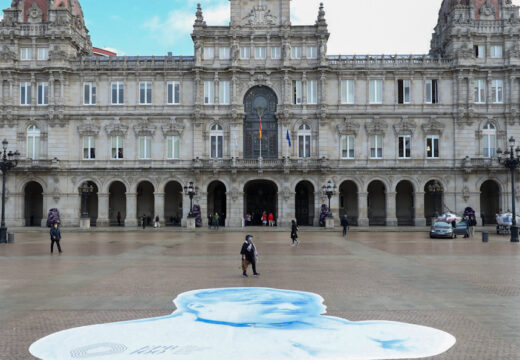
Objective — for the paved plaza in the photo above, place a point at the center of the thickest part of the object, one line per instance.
(464, 287)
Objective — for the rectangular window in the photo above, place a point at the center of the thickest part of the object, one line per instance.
(312, 52)
(347, 147)
(145, 93)
(312, 92)
(480, 51)
(245, 52)
(209, 92)
(405, 146)
(296, 52)
(403, 91)
(432, 96)
(224, 93)
(33, 147)
(432, 147)
(276, 53)
(489, 145)
(89, 93)
(145, 147)
(173, 147)
(496, 51)
(347, 91)
(217, 145)
(43, 54)
(480, 91)
(304, 146)
(43, 93)
(174, 93)
(260, 53)
(209, 53)
(25, 93)
(89, 148)
(224, 53)
(497, 91)
(118, 93)
(376, 146)
(376, 91)
(117, 147)
(297, 92)
(26, 54)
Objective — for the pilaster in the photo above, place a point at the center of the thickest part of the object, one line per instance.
(420, 220)
(159, 207)
(103, 219)
(391, 217)
(131, 209)
(363, 210)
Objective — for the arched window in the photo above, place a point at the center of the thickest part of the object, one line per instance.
(489, 140)
(217, 141)
(304, 141)
(33, 142)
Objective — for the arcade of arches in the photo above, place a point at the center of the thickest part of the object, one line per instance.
(371, 205)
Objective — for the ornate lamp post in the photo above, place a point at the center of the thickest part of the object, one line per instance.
(85, 190)
(191, 191)
(436, 189)
(329, 190)
(9, 161)
(511, 161)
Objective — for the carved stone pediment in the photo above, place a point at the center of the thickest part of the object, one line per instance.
(88, 129)
(487, 11)
(34, 14)
(116, 129)
(260, 16)
(348, 127)
(144, 128)
(57, 53)
(433, 127)
(376, 127)
(173, 128)
(7, 54)
(405, 127)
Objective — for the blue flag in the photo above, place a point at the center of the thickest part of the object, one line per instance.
(288, 138)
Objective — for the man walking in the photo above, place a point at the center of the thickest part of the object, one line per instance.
(249, 255)
(143, 220)
(55, 237)
(344, 223)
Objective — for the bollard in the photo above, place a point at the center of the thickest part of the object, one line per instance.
(485, 237)
(10, 238)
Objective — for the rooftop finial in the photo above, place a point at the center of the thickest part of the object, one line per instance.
(321, 16)
(199, 21)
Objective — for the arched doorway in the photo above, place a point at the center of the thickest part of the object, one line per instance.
(173, 204)
(260, 196)
(433, 200)
(33, 200)
(217, 201)
(348, 201)
(404, 204)
(145, 202)
(376, 203)
(260, 101)
(92, 203)
(489, 201)
(304, 204)
(117, 203)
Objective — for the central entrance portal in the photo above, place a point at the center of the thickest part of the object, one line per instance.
(260, 196)
(260, 103)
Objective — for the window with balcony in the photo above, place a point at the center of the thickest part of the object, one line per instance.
(312, 52)
(312, 92)
(297, 92)
(33, 142)
(304, 141)
(245, 53)
(489, 140)
(479, 51)
(296, 52)
(224, 53)
(276, 53)
(209, 53)
(497, 91)
(224, 92)
(217, 141)
(480, 91)
(43, 54)
(26, 54)
(260, 53)
(209, 93)
(496, 51)
(403, 91)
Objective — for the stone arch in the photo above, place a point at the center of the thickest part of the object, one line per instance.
(143, 179)
(305, 202)
(405, 203)
(483, 179)
(108, 184)
(348, 192)
(20, 185)
(412, 181)
(261, 195)
(217, 201)
(377, 178)
(33, 203)
(173, 202)
(376, 202)
(92, 201)
(117, 202)
(145, 190)
(490, 192)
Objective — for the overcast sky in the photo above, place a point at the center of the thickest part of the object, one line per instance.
(154, 27)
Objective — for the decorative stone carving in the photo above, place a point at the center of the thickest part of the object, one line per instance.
(199, 17)
(376, 127)
(88, 129)
(348, 127)
(7, 54)
(321, 16)
(487, 11)
(116, 129)
(173, 128)
(465, 193)
(57, 53)
(260, 16)
(34, 14)
(144, 128)
(405, 127)
(433, 127)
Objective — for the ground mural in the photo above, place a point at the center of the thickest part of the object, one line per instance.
(245, 323)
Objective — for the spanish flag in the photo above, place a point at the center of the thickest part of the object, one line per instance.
(260, 131)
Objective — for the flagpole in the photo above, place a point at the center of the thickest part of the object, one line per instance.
(261, 135)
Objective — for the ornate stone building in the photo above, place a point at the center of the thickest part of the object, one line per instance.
(383, 128)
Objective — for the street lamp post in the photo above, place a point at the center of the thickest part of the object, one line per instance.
(9, 161)
(191, 191)
(511, 161)
(85, 190)
(436, 189)
(329, 190)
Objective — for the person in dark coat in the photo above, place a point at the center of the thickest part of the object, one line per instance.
(344, 223)
(55, 237)
(249, 255)
(119, 218)
(143, 221)
(294, 233)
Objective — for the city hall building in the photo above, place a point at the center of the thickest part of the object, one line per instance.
(383, 129)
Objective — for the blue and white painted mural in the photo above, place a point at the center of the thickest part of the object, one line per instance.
(245, 323)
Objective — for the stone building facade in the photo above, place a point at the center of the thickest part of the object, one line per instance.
(138, 129)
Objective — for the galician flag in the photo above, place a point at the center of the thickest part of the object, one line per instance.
(288, 138)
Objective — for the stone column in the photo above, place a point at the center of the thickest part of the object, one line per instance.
(159, 207)
(235, 206)
(420, 219)
(391, 217)
(185, 209)
(317, 207)
(363, 210)
(103, 219)
(131, 209)
(286, 207)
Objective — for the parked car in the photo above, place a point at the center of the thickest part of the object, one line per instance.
(441, 229)
(461, 229)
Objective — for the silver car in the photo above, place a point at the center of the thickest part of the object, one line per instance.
(442, 230)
